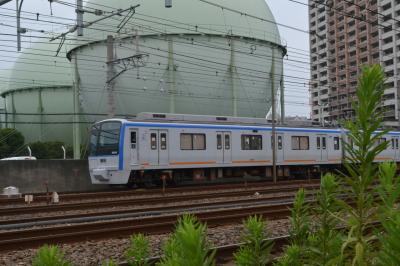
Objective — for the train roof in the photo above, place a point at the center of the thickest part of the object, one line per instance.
(228, 121)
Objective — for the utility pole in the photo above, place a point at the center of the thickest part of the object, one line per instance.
(19, 29)
(76, 123)
(282, 96)
(272, 77)
(79, 17)
(110, 75)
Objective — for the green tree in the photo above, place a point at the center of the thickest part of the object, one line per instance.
(11, 140)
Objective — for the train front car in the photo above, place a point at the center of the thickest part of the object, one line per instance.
(106, 150)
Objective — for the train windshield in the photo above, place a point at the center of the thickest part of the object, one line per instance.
(104, 139)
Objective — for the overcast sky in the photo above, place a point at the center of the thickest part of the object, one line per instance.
(284, 11)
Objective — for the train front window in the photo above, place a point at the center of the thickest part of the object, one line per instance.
(104, 139)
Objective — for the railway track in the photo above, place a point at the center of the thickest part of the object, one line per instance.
(137, 201)
(142, 214)
(65, 197)
(27, 238)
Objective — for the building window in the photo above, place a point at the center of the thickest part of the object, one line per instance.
(251, 142)
(193, 141)
(300, 143)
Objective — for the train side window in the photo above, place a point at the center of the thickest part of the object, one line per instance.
(318, 143)
(153, 141)
(133, 139)
(227, 142)
(336, 143)
(397, 144)
(163, 141)
(193, 141)
(323, 143)
(300, 143)
(251, 142)
(280, 143)
(392, 144)
(219, 141)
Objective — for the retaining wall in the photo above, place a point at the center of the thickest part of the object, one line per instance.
(30, 176)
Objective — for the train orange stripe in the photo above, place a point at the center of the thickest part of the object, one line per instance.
(384, 158)
(299, 161)
(253, 161)
(187, 163)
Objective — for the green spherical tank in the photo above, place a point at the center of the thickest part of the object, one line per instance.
(222, 58)
(38, 97)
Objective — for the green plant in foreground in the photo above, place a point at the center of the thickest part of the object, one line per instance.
(139, 251)
(256, 251)
(296, 253)
(188, 245)
(389, 193)
(325, 241)
(109, 262)
(359, 248)
(50, 256)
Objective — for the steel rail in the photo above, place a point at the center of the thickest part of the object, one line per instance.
(42, 197)
(11, 240)
(144, 201)
(140, 212)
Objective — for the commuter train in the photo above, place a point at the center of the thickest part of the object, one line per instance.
(176, 148)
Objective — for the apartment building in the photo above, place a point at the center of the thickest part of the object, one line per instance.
(389, 32)
(354, 37)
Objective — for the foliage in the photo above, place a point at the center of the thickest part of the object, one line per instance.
(49, 256)
(139, 251)
(188, 245)
(298, 249)
(11, 141)
(256, 251)
(47, 150)
(358, 248)
(300, 220)
(292, 256)
(389, 192)
(325, 240)
(109, 262)
(322, 242)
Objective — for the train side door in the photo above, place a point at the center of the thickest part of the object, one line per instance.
(133, 149)
(224, 149)
(322, 148)
(158, 154)
(395, 148)
(279, 148)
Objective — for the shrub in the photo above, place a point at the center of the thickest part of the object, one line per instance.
(47, 150)
(50, 256)
(139, 251)
(188, 245)
(109, 262)
(256, 250)
(11, 141)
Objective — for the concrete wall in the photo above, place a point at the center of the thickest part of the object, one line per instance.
(61, 175)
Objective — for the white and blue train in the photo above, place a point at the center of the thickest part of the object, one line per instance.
(181, 147)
